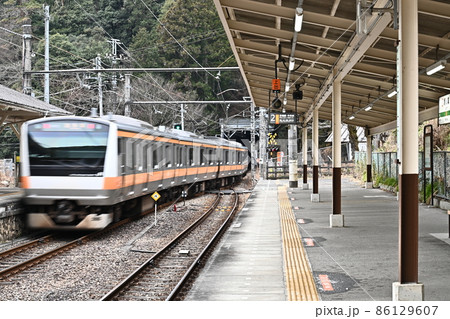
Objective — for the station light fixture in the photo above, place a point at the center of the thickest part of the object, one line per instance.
(287, 87)
(435, 67)
(368, 107)
(291, 63)
(351, 117)
(298, 19)
(392, 92)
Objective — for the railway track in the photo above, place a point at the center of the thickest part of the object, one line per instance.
(162, 276)
(29, 254)
(32, 253)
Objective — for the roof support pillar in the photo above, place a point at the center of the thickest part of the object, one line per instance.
(263, 126)
(369, 162)
(292, 150)
(408, 287)
(305, 157)
(336, 218)
(315, 197)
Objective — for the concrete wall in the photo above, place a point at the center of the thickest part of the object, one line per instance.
(12, 219)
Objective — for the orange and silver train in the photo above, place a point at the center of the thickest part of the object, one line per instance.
(85, 172)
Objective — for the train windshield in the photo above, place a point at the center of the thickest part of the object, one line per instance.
(67, 148)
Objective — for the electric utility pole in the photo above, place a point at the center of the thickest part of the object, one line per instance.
(98, 65)
(47, 54)
(26, 59)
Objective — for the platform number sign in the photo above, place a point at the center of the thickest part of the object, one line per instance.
(444, 109)
(156, 196)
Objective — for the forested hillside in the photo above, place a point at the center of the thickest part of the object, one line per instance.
(150, 33)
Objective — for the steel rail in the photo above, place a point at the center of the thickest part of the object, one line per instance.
(25, 246)
(38, 259)
(176, 291)
(47, 255)
(122, 285)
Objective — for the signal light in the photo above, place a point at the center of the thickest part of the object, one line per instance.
(276, 103)
(297, 95)
(177, 126)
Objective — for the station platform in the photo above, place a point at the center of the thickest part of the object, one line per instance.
(281, 247)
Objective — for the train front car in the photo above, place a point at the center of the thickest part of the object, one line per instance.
(65, 163)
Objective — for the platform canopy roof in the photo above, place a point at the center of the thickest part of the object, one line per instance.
(16, 108)
(364, 60)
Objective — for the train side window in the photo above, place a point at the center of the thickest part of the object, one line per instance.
(180, 156)
(129, 156)
(191, 156)
(220, 156)
(155, 156)
(210, 157)
(168, 155)
(227, 157)
(144, 147)
(121, 149)
(202, 156)
(183, 155)
(182, 151)
(149, 157)
(139, 151)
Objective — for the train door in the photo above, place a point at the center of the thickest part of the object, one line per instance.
(138, 165)
(191, 169)
(130, 160)
(169, 169)
(180, 159)
(203, 169)
(210, 161)
(155, 175)
(225, 163)
(122, 163)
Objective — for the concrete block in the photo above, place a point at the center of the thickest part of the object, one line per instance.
(293, 184)
(336, 220)
(369, 185)
(444, 205)
(315, 198)
(407, 292)
(305, 186)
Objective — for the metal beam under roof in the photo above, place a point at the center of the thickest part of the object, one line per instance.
(329, 38)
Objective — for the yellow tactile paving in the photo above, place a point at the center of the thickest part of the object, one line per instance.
(299, 279)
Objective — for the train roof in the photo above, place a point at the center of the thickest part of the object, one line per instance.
(134, 125)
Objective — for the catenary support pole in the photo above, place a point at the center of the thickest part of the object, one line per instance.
(127, 111)
(408, 287)
(315, 197)
(47, 54)
(26, 59)
(98, 65)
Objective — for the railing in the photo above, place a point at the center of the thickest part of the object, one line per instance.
(385, 164)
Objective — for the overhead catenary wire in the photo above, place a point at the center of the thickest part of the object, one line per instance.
(121, 45)
(52, 45)
(173, 37)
